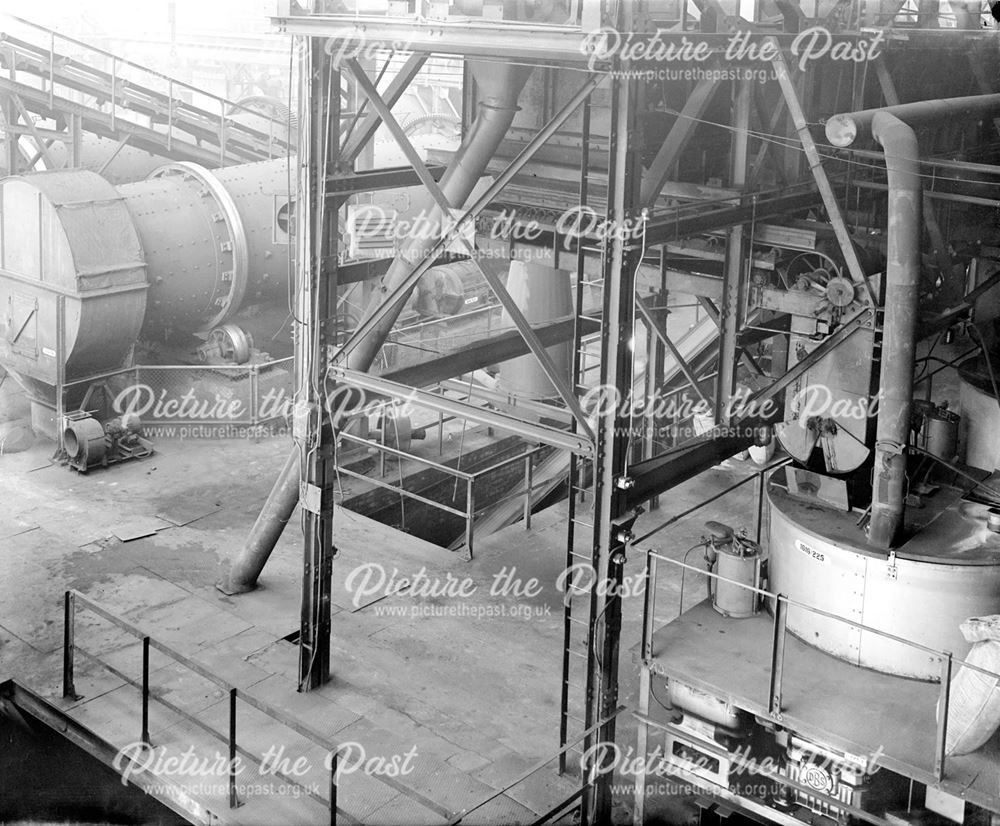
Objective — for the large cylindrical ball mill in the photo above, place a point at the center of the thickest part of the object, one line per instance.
(213, 240)
(542, 294)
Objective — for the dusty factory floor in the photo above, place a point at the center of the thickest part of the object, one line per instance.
(476, 696)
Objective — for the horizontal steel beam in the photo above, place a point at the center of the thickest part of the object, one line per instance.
(377, 179)
(653, 476)
(381, 387)
(488, 351)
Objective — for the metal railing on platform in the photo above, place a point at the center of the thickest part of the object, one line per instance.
(73, 599)
(779, 605)
(467, 478)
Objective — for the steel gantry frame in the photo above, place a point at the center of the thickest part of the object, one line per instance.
(620, 485)
(316, 286)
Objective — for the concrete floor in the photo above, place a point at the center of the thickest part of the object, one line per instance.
(478, 697)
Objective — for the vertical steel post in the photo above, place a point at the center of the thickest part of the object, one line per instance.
(619, 260)
(470, 512)
(527, 492)
(758, 492)
(733, 286)
(145, 691)
(233, 799)
(334, 759)
(316, 287)
(944, 700)
(61, 370)
(254, 401)
(777, 654)
(69, 689)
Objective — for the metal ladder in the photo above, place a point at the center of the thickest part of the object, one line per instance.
(578, 603)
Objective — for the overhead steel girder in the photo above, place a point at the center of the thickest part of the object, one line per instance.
(374, 180)
(677, 465)
(522, 324)
(576, 443)
(488, 351)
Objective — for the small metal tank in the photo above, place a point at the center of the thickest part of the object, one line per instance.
(738, 561)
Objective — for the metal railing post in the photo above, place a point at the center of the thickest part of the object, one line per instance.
(758, 490)
(222, 133)
(145, 691)
(334, 759)
(233, 800)
(942, 722)
(777, 654)
(254, 402)
(470, 512)
(527, 492)
(114, 93)
(69, 690)
(649, 607)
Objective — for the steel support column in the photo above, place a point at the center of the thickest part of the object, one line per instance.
(316, 292)
(733, 288)
(619, 265)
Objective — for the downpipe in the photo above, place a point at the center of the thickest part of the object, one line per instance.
(902, 276)
(500, 87)
(893, 128)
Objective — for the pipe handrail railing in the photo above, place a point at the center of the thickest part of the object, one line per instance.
(781, 603)
(73, 598)
(134, 368)
(52, 33)
(401, 454)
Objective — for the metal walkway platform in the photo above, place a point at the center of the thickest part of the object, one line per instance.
(83, 89)
(854, 709)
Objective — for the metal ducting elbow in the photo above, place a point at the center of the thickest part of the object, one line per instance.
(892, 127)
(499, 88)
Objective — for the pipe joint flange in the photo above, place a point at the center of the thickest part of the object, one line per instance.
(236, 277)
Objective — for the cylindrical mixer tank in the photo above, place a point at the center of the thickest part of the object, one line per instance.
(948, 571)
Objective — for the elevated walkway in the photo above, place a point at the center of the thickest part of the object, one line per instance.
(54, 88)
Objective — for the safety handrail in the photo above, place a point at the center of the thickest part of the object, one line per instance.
(52, 33)
(72, 598)
(781, 603)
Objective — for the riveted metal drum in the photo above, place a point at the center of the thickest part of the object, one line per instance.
(949, 571)
(67, 236)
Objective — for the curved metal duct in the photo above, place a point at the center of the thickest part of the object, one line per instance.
(499, 88)
(892, 127)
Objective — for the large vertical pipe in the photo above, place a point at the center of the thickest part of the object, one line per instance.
(499, 89)
(902, 278)
(892, 127)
